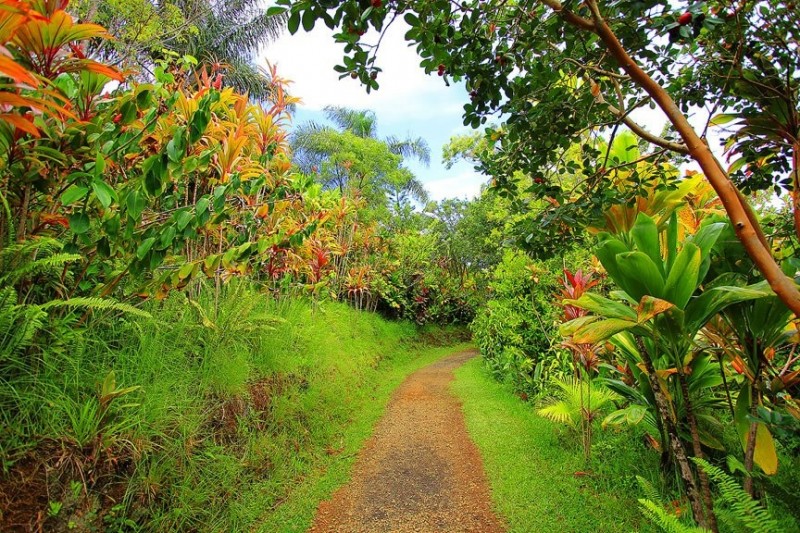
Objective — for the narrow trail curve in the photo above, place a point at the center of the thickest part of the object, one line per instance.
(420, 472)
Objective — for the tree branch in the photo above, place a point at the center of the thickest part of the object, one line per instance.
(747, 229)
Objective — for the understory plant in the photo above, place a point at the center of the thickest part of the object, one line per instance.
(657, 305)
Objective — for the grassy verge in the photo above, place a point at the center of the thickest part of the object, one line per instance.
(244, 413)
(531, 467)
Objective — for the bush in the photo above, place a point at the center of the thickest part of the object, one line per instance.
(517, 331)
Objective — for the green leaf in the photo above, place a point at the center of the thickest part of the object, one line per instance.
(135, 203)
(701, 309)
(79, 223)
(601, 330)
(99, 165)
(183, 219)
(645, 235)
(294, 23)
(202, 206)
(308, 20)
(602, 306)
(143, 248)
(105, 194)
(723, 118)
(607, 252)
(682, 277)
(275, 10)
(641, 274)
(73, 194)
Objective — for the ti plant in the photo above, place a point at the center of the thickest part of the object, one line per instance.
(758, 337)
(662, 306)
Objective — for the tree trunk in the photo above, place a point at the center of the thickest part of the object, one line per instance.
(678, 450)
(697, 449)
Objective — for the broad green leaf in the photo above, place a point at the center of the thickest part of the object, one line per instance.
(143, 248)
(682, 277)
(568, 328)
(602, 306)
(79, 223)
(723, 118)
(105, 194)
(184, 217)
(202, 206)
(186, 271)
(308, 20)
(641, 274)
(99, 165)
(631, 415)
(707, 236)
(701, 309)
(645, 235)
(672, 240)
(607, 252)
(73, 194)
(650, 307)
(601, 330)
(135, 203)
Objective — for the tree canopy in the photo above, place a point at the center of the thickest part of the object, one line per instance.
(557, 71)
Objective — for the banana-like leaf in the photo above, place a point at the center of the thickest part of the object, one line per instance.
(645, 235)
(701, 309)
(765, 455)
(568, 328)
(707, 236)
(607, 252)
(682, 278)
(650, 307)
(602, 306)
(642, 274)
(601, 330)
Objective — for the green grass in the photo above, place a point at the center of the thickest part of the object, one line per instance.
(248, 411)
(531, 464)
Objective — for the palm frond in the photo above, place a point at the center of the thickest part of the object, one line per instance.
(414, 148)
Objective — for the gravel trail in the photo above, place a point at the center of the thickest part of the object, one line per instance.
(420, 472)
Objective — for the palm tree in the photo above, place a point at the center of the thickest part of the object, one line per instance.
(223, 33)
(314, 144)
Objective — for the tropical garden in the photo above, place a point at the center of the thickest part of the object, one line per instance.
(204, 305)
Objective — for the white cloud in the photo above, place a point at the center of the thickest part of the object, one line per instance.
(466, 185)
(405, 90)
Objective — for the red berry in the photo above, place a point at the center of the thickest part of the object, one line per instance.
(442, 70)
(685, 19)
(377, 4)
(538, 180)
(354, 74)
(117, 118)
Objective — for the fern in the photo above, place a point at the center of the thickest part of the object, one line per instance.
(18, 323)
(649, 490)
(743, 509)
(52, 264)
(100, 304)
(664, 520)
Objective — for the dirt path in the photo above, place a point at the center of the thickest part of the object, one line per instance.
(420, 472)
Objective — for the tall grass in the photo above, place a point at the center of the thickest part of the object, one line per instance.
(205, 417)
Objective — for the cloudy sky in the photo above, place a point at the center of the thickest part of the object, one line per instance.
(408, 103)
